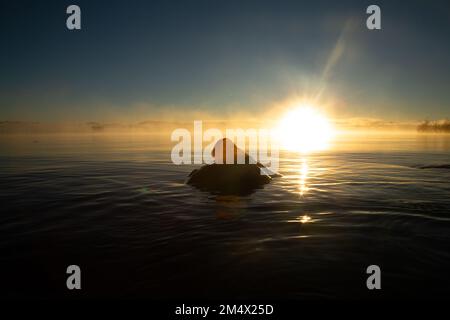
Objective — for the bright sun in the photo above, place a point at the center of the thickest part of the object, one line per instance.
(304, 129)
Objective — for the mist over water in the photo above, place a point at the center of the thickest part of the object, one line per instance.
(117, 207)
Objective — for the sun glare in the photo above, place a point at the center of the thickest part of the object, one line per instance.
(304, 129)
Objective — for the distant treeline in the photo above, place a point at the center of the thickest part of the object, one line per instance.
(434, 126)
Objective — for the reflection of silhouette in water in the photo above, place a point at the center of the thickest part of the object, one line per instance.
(229, 206)
(232, 178)
(434, 142)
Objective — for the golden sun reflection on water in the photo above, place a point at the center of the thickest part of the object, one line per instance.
(302, 219)
(305, 219)
(304, 169)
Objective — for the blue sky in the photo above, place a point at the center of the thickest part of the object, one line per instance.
(222, 57)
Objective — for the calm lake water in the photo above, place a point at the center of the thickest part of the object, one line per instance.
(118, 208)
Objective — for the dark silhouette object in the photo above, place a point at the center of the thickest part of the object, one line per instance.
(440, 126)
(434, 166)
(229, 179)
(95, 126)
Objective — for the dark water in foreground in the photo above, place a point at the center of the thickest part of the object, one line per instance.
(121, 211)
